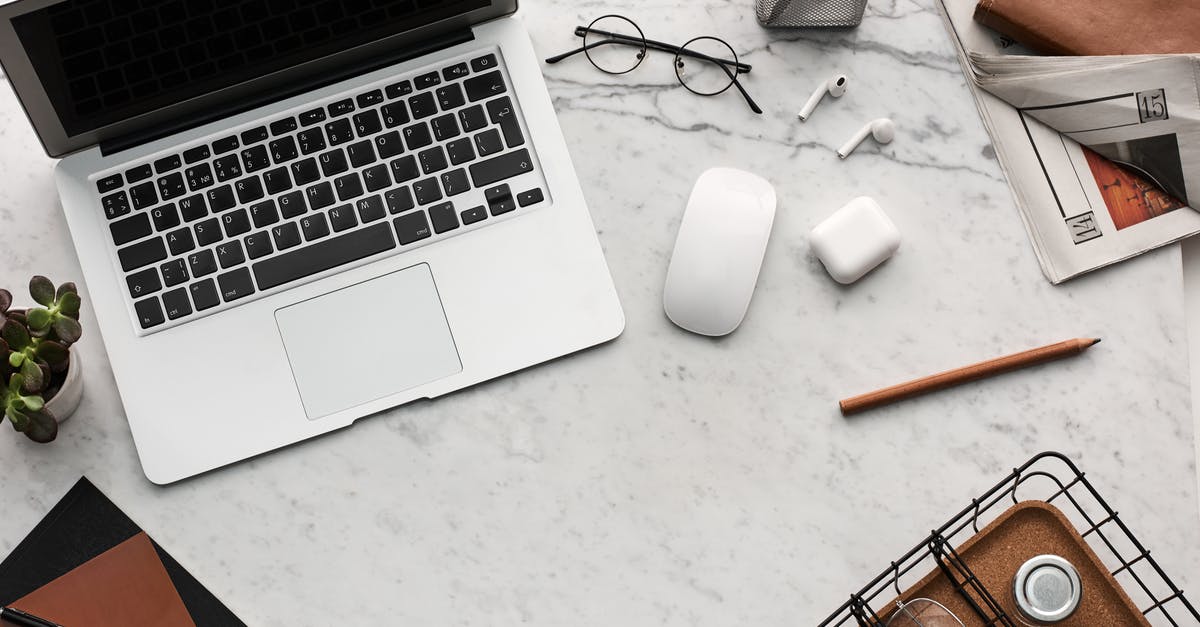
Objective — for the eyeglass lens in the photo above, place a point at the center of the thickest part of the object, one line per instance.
(614, 44)
(698, 66)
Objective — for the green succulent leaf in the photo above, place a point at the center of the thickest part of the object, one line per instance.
(15, 383)
(5, 301)
(20, 421)
(33, 403)
(35, 381)
(69, 303)
(54, 354)
(15, 334)
(16, 359)
(42, 427)
(65, 288)
(67, 330)
(42, 290)
(39, 319)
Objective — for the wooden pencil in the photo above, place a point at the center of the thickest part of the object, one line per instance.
(974, 372)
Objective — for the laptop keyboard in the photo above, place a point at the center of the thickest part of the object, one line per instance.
(388, 169)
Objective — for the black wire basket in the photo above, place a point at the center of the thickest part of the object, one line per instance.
(1049, 477)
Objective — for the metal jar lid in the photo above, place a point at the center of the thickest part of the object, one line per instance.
(1047, 589)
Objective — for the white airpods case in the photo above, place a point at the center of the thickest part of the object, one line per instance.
(855, 239)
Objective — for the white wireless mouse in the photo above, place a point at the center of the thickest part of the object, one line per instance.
(719, 251)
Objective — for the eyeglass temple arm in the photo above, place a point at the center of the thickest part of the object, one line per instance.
(559, 57)
(736, 83)
(581, 31)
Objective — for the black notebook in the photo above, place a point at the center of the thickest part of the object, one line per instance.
(82, 526)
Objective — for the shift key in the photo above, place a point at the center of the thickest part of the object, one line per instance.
(499, 168)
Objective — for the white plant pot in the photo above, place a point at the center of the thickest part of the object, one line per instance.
(67, 400)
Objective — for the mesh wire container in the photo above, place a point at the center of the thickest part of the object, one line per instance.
(810, 13)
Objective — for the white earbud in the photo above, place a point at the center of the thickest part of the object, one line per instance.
(835, 86)
(883, 130)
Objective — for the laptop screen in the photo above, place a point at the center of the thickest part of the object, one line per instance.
(101, 62)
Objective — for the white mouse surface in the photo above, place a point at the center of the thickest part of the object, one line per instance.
(855, 239)
(718, 251)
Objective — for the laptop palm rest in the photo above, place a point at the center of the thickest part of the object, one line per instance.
(368, 341)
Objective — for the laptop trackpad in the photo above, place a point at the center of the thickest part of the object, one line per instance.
(367, 341)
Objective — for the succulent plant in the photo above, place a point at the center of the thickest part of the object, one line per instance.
(35, 352)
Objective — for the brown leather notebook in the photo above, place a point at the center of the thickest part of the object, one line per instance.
(1094, 27)
(126, 585)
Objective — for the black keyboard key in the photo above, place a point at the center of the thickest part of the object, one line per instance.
(144, 282)
(115, 205)
(142, 254)
(389, 145)
(450, 97)
(227, 167)
(167, 163)
(286, 235)
(339, 131)
(180, 241)
(254, 135)
(220, 198)
(165, 217)
(395, 90)
(422, 105)
(286, 125)
(394, 114)
(176, 303)
(499, 168)
(192, 208)
(473, 215)
(249, 189)
(311, 140)
(199, 176)
(236, 284)
(308, 118)
(488, 142)
(473, 118)
(291, 204)
(149, 312)
(236, 222)
(225, 144)
(530, 197)
(417, 136)
(405, 169)
(199, 153)
(134, 227)
(319, 195)
(174, 272)
(484, 85)
(444, 217)
(444, 127)
(360, 153)
(283, 149)
(230, 254)
(499, 199)
(323, 256)
(412, 227)
(369, 99)
(256, 158)
(399, 200)
(333, 162)
(432, 160)
(370, 209)
(501, 112)
(486, 62)
(427, 191)
(341, 107)
(171, 186)
(342, 218)
(455, 182)
(204, 294)
(264, 213)
(277, 181)
(348, 186)
(376, 177)
(258, 245)
(367, 123)
(141, 172)
(306, 171)
(143, 195)
(208, 232)
(456, 71)
(109, 183)
(460, 151)
(425, 81)
(314, 227)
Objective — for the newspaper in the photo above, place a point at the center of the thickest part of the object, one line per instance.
(1100, 152)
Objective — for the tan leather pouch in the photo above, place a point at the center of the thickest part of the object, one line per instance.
(1094, 27)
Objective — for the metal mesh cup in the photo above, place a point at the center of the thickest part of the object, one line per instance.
(810, 13)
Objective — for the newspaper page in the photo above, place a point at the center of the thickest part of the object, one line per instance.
(1122, 194)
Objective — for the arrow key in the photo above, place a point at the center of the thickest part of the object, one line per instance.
(484, 85)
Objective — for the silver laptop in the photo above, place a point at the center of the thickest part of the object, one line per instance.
(293, 214)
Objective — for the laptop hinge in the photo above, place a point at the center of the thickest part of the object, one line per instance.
(411, 51)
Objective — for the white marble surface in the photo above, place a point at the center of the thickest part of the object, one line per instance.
(668, 479)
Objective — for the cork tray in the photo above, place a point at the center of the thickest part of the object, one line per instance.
(1026, 530)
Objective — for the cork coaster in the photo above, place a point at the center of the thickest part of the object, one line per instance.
(1026, 530)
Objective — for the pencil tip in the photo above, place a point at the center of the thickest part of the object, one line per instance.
(1095, 342)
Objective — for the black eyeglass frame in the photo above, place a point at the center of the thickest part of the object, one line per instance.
(649, 44)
